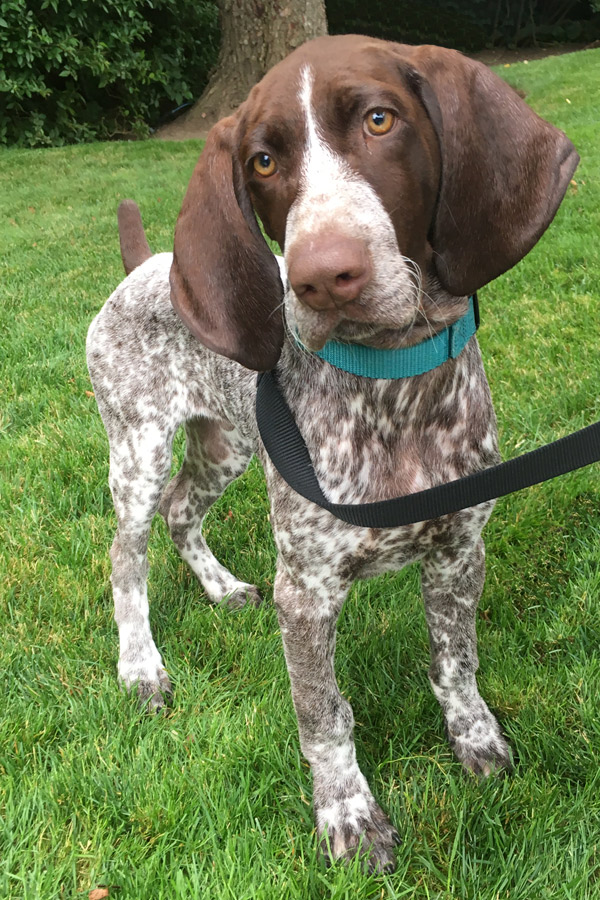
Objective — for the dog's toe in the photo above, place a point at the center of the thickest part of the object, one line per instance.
(245, 594)
(492, 760)
(372, 838)
(152, 691)
(152, 697)
(490, 756)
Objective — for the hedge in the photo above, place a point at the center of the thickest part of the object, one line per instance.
(76, 70)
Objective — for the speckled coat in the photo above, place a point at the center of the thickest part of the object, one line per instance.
(391, 200)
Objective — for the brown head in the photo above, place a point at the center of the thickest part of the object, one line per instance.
(370, 163)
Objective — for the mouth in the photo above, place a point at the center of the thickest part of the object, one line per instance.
(313, 329)
(353, 323)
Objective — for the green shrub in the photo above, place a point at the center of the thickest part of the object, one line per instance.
(77, 70)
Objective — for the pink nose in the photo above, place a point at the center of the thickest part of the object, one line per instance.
(329, 272)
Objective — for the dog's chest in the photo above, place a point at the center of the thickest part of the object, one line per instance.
(373, 440)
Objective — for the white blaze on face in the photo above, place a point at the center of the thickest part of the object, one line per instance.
(334, 198)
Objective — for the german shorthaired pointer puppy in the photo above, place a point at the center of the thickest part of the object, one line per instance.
(398, 180)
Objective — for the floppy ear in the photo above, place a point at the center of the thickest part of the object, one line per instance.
(225, 282)
(504, 170)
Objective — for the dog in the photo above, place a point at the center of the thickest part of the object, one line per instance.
(397, 180)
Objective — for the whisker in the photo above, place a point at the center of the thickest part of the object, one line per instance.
(297, 345)
(276, 309)
(415, 270)
(424, 313)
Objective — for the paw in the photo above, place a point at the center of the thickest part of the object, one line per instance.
(154, 694)
(153, 689)
(357, 826)
(245, 593)
(481, 748)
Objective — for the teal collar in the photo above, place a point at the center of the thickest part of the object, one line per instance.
(371, 362)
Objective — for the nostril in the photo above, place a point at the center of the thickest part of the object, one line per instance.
(331, 272)
(348, 285)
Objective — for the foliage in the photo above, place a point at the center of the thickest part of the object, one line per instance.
(470, 25)
(73, 70)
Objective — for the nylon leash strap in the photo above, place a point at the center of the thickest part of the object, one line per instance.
(288, 452)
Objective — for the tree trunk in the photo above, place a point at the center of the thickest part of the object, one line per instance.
(255, 34)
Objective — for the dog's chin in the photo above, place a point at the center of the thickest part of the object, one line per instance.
(313, 328)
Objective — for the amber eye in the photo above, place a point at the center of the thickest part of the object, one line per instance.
(379, 121)
(264, 165)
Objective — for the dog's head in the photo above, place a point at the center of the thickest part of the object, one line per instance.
(369, 163)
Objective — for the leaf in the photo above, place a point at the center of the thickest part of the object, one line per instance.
(98, 893)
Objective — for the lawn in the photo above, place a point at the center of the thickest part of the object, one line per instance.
(215, 800)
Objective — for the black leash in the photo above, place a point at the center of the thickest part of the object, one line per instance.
(285, 445)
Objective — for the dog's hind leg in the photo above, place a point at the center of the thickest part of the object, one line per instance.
(216, 453)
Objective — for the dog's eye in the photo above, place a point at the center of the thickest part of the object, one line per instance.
(264, 165)
(379, 121)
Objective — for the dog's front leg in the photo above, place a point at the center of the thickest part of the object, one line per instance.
(452, 582)
(348, 818)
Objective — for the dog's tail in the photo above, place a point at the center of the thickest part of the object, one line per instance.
(132, 238)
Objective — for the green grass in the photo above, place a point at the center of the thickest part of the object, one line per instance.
(214, 801)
